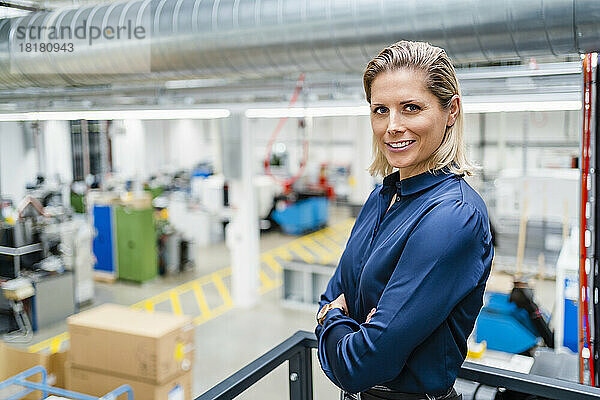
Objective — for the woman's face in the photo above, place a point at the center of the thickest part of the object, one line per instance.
(407, 119)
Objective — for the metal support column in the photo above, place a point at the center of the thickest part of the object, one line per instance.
(588, 215)
(481, 144)
(362, 181)
(594, 281)
(243, 230)
(85, 148)
(300, 369)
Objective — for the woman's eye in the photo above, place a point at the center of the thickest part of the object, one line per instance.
(412, 107)
(380, 110)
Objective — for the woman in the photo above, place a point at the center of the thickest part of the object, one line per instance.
(394, 320)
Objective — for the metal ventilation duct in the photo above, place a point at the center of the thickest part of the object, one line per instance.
(259, 38)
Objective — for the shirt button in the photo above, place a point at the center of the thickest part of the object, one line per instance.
(397, 198)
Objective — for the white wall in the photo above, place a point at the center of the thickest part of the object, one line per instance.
(145, 148)
(128, 147)
(190, 142)
(540, 127)
(17, 163)
(57, 149)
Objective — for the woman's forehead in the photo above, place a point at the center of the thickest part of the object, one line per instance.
(399, 85)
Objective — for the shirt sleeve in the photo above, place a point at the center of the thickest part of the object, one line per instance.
(334, 288)
(442, 262)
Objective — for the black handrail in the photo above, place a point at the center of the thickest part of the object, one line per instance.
(297, 350)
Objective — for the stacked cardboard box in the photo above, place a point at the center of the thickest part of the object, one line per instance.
(14, 361)
(112, 345)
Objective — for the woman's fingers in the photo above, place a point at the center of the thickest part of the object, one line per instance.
(341, 302)
(370, 315)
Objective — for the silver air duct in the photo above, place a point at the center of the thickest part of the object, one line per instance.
(260, 38)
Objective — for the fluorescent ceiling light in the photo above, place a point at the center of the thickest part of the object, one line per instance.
(475, 108)
(468, 108)
(194, 83)
(116, 114)
(306, 112)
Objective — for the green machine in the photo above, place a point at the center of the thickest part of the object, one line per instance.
(136, 244)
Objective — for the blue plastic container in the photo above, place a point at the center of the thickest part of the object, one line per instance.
(303, 216)
(504, 326)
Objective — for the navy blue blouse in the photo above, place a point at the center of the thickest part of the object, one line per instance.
(423, 265)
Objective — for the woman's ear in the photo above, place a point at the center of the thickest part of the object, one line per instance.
(454, 109)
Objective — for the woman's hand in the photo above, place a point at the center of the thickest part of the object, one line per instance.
(370, 315)
(341, 302)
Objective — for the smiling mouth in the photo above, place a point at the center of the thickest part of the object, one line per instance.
(400, 144)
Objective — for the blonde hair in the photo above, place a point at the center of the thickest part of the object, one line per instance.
(441, 81)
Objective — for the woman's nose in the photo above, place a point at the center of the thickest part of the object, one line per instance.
(396, 123)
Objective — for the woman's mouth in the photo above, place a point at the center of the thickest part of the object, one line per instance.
(400, 145)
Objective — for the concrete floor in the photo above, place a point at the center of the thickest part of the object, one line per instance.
(227, 342)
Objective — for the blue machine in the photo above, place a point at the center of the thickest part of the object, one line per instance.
(504, 326)
(303, 216)
(103, 243)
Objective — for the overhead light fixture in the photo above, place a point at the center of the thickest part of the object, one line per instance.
(194, 83)
(468, 108)
(520, 106)
(198, 113)
(299, 112)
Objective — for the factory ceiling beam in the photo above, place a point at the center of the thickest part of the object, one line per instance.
(22, 6)
(191, 39)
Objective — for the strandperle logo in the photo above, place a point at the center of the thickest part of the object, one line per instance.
(84, 46)
(90, 33)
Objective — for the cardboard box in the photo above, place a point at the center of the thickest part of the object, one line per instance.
(57, 368)
(14, 361)
(97, 383)
(154, 346)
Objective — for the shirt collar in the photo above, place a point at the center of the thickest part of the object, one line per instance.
(416, 183)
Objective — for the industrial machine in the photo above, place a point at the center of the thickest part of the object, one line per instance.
(513, 323)
(125, 241)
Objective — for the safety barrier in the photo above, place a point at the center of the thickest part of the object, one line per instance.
(297, 350)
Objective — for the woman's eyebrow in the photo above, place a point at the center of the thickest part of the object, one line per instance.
(402, 102)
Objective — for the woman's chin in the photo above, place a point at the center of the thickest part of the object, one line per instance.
(400, 164)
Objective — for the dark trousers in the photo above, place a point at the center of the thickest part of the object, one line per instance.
(372, 394)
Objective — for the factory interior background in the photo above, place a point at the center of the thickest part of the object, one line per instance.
(219, 206)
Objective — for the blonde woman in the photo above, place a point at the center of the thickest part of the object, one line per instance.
(394, 320)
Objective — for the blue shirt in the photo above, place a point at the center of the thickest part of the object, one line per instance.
(423, 265)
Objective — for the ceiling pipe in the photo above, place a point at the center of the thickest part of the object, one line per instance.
(193, 39)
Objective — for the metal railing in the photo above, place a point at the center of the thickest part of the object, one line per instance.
(297, 350)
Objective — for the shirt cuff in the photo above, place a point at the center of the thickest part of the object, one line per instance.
(326, 333)
(332, 315)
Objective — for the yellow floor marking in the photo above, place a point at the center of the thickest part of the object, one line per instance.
(340, 230)
(55, 345)
(47, 343)
(304, 255)
(267, 283)
(336, 236)
(149, 306)
(275, 284)
(187, 286)
(315, 248)
(325, 241)
(270, 261)
(222, 289)
(214, 313)
(174, 296)
(201, 300)
(283, 253)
